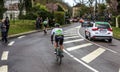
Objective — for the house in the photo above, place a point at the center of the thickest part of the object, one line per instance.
(12, 9)
(76, 10)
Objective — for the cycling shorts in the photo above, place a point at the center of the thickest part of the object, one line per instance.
(59, 39)
(45, 25)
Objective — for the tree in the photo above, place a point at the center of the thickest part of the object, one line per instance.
(113, 5)
(83, 10)
(2, 8)
(91, 8)
(89, 2)
(21, 7)
(28, 5)
(101, 8)
(118, 7)
(60, 8)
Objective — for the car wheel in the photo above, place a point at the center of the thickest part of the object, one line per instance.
(86, 36)
(110, 40)
(89, 37)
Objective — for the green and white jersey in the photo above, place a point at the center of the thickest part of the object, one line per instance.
(57, 31)
(45, 22)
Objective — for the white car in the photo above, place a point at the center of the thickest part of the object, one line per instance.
(99, 30)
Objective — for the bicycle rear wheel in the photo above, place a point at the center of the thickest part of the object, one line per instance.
(59, 59)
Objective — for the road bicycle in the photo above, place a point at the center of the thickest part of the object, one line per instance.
(45, 31)
(59, 54)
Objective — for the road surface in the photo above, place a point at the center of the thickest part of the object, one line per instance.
(35, 53)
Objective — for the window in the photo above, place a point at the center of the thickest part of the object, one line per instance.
(104, 26)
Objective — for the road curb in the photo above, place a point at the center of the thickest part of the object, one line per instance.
(24, 33)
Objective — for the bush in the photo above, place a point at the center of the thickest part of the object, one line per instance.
(113, 20)
(31, 16)
(59, 17)
(44, 14)
(119, 20)
(28, 16)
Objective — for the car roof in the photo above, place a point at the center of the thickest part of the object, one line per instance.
(101, 23)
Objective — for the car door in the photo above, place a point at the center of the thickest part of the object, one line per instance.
(89, 28)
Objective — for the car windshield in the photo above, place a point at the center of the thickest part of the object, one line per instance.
(104, 26)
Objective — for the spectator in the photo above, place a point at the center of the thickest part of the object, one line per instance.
(50, 22)
(38, 22)
(3, 29)
(53, 22)
(7, 24)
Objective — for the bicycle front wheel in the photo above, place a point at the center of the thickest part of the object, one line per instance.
(59, 59)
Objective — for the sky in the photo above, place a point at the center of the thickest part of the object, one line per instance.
(70, 2)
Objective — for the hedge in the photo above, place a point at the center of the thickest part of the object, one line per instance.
(119, 20)
(59, 17)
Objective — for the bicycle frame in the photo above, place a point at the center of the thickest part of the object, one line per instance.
(58, 54)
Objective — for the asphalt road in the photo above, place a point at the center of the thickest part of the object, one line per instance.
(35, 53)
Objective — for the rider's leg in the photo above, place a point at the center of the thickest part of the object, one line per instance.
(61, 44)
(61, 47)
(56, 43)
(45, 28)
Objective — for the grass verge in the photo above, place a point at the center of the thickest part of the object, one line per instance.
(116, 32)
(19, 26)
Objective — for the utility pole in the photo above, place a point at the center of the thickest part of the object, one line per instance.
(95, 10)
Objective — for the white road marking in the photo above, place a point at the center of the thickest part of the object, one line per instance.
(70, 30)
(93, 55)
(70, 34)
(71, 37)
(97, 44)
(73, 41)
(119, 69)
(78, 27)
(11, 43)
(89, 67)
(5, 55)
(20, 37)
(4, 68)
(79, 46)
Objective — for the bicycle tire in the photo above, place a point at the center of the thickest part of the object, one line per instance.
(60, 60)
(58, 57)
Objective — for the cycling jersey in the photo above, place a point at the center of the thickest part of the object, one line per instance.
(45, 22)
(57, 31)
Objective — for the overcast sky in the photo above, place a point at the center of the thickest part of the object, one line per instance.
(71, 2)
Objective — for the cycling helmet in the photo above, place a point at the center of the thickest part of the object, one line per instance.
(57, 24)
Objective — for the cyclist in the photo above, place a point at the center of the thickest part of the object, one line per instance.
(45, 23)
(57, 32)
